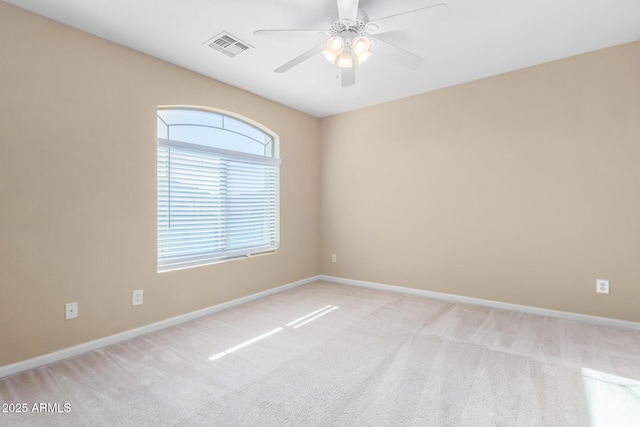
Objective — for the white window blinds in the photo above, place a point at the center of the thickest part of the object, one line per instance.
(214, 204)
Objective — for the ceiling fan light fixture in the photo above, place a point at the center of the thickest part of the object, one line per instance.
(361, 45)
(363, 56)
(329, 56)
(345, 59)
(335, 45)
(361, 48)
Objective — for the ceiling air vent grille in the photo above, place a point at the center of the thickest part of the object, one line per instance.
(228, 44)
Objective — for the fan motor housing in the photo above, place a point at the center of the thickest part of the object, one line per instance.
(357, 29)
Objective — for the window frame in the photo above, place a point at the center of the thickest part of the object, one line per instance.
(266, 206)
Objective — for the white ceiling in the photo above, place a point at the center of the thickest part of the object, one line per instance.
(480, 38)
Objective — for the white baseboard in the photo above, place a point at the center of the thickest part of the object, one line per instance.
(601, 321)
(123, 336)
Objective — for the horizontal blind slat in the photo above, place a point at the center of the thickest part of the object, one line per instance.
(213, 206)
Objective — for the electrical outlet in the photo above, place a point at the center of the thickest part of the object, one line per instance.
(137, 297)
(71, 310)
(602, 286)
(334, 258)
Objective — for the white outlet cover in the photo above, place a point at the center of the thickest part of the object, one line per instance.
(136, 299)
(602, 286)
(71, 310)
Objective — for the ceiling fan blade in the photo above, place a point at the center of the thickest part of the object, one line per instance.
(429, 14)
(291, 32)
(298, 59)
(348, 11)
(348, 76)
(401, 56)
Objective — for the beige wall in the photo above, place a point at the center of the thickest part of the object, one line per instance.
(521, 188)
(78, 189)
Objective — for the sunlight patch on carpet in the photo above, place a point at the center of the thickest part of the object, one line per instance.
(613, 400)
(300, 321)
(246, 343)
(320, 314)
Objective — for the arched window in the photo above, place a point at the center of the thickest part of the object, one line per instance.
(218, 187)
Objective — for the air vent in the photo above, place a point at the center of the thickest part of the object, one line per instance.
(228, 44)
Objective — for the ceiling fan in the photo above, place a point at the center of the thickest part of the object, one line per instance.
(352, 39)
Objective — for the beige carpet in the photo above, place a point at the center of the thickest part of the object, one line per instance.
(363, 358)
